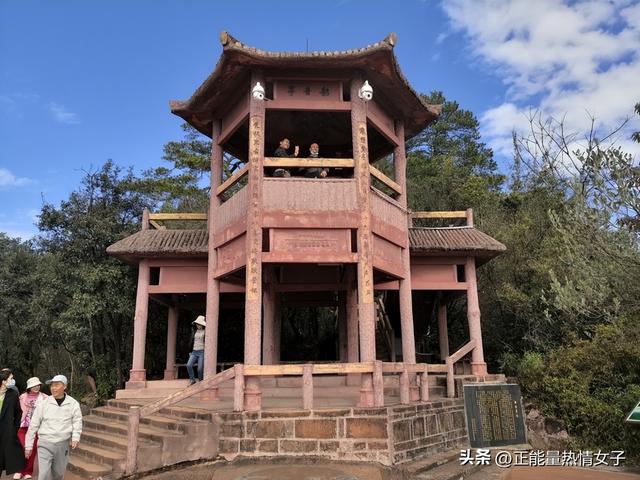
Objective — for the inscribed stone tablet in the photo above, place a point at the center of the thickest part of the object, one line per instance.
(494, 413)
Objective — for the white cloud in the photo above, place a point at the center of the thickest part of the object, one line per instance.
(568, 60)
(8, 179)
(62, 115)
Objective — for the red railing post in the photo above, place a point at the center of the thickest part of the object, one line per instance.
(404, 387)
(307, 386)
(132, 440)
(424, 385)
(378, 384)
(238, 388)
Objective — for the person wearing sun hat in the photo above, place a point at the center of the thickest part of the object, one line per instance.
(28, 402)
(57, 421)
(197, 353)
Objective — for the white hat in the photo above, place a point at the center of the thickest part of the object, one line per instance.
(58, 378)
(32, 382)
(200, 321)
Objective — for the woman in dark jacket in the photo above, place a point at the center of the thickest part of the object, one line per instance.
(11, 453)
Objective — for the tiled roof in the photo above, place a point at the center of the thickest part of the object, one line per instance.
(458, 239)
(156, 243)
(377, 61)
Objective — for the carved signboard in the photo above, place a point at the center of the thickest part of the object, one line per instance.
(494, 413)
(308, 90)
(311, 240)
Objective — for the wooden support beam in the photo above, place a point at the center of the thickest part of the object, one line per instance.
(386, 180)
(177, 216)
(156, 225)
(309, 162)
(232, 180)
(452, 214)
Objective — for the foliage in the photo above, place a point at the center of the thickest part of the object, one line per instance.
(592, 385)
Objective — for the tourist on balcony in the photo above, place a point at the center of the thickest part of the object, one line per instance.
(28, 402)
(197, 353)
(283, 151)
(11, 455)
(315, 172)
(57, 420)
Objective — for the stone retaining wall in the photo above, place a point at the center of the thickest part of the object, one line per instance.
(387, 435)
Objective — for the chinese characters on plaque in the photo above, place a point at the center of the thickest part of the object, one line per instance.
(308, 90)
(494, 415)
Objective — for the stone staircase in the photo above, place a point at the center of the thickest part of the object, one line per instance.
(190, 430)
(174, 435)
(441, 466)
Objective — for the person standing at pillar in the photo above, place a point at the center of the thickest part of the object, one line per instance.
(28, 402)
(57, 420)
(197, 353)
(11, 456)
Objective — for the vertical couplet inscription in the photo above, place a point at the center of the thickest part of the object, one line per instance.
(254, 229)
(494, 415)
(366, 280)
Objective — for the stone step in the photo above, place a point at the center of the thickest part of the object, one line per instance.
(431, 462)
(158, 421)
(100, 455)
(85, 468)
(449, 471)
(115, 427)
(114, 442)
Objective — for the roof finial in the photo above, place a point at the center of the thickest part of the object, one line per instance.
(392, 39)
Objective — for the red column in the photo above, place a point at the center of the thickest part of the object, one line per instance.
(212, 312)
(342, 326)
(478, 365)
(406, 306)
(366, 310)
(253, 295)
(137, 376)
(277, 327)
(353, 339)
(172, 331)
(443, 333)
(268, 335)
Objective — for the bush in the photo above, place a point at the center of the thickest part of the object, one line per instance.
(592, 385)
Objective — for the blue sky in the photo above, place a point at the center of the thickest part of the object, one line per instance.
(82, 82)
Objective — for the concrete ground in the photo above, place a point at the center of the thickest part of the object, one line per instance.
(267, 470)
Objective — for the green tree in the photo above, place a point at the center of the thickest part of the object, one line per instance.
(87, 301)
(448, 167)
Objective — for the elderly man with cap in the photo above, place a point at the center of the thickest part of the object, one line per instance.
(197, 353)
(58, 421)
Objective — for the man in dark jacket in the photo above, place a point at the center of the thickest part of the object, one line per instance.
(11, 453)
(282, 151)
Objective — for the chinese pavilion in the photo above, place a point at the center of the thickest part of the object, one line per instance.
(337, 240)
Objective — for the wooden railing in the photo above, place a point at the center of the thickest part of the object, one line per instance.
(154, 218)
(232, 180)
(294, 162)
(451, 360)
(397, 189)
(455, 214)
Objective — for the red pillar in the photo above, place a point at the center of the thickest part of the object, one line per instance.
(443, 333)
(478, 365)
(212, 312)
(342, 326)
(268, 335)
(366, 309)
(172, 331)
(253, 295)
(277, 327)
(137, 376)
